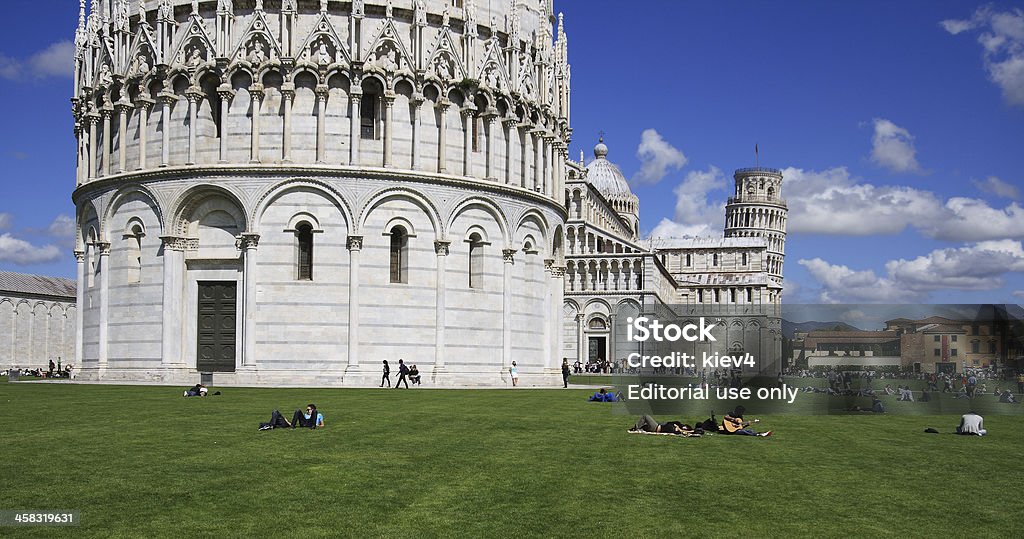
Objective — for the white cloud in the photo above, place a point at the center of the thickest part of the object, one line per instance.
(840, 284)
(1002, 39)
(893, 147)
(23, 253)
(63, 230)
(6, 220)
(968, 219)
(656, 157)
(833, 202)
(979, 266)
(995, 186)
(694, 214)
(56, 60)
(668, 228)
(974, 267)
(1019, 293)
(692, 206)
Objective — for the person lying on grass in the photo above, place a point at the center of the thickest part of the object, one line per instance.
(311, 419)
(604, 396)
(647, 423)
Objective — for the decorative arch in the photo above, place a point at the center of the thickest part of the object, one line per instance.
(398, 220)
(402, 193)
(280, 188)
(537, 218)
(122, 195)
(86, 212)
(192, 198)
(597, 306)
(486, 205)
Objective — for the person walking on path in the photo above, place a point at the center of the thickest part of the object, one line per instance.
(403, 371)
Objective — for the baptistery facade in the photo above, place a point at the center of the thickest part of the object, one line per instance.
(292, 191)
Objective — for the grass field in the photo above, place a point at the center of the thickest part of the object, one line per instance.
(144, 462)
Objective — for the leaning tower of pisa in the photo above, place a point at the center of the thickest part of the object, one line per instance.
(293, 191)
(757, 209)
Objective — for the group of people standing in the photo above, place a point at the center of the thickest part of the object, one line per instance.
(405, 375)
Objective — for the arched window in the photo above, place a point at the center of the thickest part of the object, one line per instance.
(399, 255)
(133, 248)
(304, 235)
(714, 259)
(744, 259)
(476, 261)
(368, 115)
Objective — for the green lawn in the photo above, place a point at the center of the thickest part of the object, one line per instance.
(144, 462)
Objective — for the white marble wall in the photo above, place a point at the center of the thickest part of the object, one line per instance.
(34, 331)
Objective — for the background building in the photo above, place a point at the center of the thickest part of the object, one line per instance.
(611, 275)
(37, 320)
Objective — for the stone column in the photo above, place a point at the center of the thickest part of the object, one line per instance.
(509, 124)
(166, 99)
(389, 103)
(581, 340)
(248, 243)
(104, 251)
(106, 112)
(288, 96)
(322, 93)
(547, 352)
(354, 244)
(173, 300)
(508, 255)
(538, 154)
(557, 298)
(611, 339)
(256, 91)
(549, 168)
(467, 138)
(525, 158)
(226, 94)
(354, 134)
(441, 247)
(442, 139)
(194, 95)
(492, 120)
(416, 101)
(80, 303)
(94, 119)
(123, 107)
(144, 105)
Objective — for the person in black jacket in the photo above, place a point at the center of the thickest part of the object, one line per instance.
(403, 371)
(387, 374)
(565, 372)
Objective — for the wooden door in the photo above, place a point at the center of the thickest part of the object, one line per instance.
(216, 322)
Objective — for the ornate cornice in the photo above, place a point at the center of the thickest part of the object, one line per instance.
(283, 171)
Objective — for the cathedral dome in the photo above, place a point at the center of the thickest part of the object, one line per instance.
(606, 177)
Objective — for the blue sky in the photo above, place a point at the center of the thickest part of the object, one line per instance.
(900, 126)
